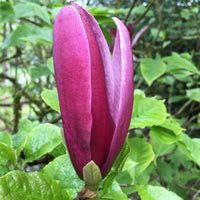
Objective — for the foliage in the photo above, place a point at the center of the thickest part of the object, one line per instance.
(161, 157)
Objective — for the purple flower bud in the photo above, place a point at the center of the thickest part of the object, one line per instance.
(95, 91)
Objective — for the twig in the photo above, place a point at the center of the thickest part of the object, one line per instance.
(145, 12)
(129, 12)
(196, 195)
(182, 108)
(5, 76)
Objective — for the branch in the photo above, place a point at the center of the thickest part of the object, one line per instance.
(129, 12)
(145, 12)
(5, 76)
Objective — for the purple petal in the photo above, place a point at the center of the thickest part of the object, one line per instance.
(102, 124)
(139, 35)
(71, 55)
(122, 64)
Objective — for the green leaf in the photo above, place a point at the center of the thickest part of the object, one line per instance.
(147, 112)
(106, 11)
(6, 12)
(41, 12)
(19, 139)
(194, 94)
(5, 138)
(160, 147)
(177, 63)
(191, 147)
(42, 139)
(152, 69)
(61, 169)
(30, 34)
(141, 153)
(7, 153)
(51, 98)
(114, 192)
(149, 192)
(3, 169)
(20, 185)
(164, 134)
(59, 150)
(31, 9)
(50, 64)
(37, 72)
(171, 124)
(127, 176)
(23, 10)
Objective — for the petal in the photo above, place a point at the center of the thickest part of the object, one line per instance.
(122, 64)
(102, 124)
(139, 35)
(73, 78)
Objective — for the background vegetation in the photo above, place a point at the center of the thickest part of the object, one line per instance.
(163, 157)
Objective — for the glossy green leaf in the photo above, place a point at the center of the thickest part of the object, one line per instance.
(17, 185)
(152, 69)
(141, 153)
(61, 169)
(147, 112)
(3, 169)
(194, 94)
(115, 193)
(164, 134)
(191, 147)
(5, 138)
(160, 147)
(149, 192)
(42, 139)
(19, 139)
(7, 153)
(59, 150)
(171, 124)
(37, 72)
(51, 98)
